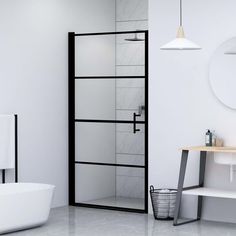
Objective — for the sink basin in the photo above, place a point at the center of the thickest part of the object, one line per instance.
(226, 159)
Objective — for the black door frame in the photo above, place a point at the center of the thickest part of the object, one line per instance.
(72, 120)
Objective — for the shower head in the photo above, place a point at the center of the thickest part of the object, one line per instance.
(135, 39)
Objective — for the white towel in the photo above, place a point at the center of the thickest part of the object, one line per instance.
(7, 141)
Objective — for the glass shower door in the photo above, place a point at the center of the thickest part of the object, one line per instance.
(110, 142)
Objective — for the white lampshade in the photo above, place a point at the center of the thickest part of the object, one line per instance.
(180, 43)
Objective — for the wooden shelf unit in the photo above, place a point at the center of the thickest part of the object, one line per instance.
(211, 192)
(199, 190)
(210, 149)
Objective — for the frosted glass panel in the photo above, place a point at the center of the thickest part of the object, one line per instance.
(109, 143)
(95, 55)
(94, 182)
(110, 186)
(130, 54)
(109, 99)
(95, 142)
(130, 70)
(129, 143)
(129, 98)
(95, 99)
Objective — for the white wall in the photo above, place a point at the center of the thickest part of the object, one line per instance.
(33, 78)
(182, 105)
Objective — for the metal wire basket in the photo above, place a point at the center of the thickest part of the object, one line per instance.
(163, 203)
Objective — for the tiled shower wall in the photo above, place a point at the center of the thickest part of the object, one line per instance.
(130, 15)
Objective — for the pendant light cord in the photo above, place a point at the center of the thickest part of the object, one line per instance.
(181, 12)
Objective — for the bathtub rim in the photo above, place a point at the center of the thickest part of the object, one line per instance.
(27, 187)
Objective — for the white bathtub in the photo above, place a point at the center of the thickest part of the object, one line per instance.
(24, 205)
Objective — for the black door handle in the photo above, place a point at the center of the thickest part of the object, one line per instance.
(134, 127)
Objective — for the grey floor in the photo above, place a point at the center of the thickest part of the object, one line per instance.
(137, 203)
(70, 221)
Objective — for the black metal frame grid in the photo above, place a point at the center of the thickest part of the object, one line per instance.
(72, 120)
(16, 154)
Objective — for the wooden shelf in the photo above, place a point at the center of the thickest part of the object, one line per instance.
(210, 149)
(211, 192)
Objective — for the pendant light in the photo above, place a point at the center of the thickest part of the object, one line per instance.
(180, 42)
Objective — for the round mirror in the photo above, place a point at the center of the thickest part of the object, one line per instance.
(223, 73)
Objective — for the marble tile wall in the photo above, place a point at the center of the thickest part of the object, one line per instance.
(129, 98)
(127, 142)
(130, 54)
(131, 10)
(131, 15)
(129, 70)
